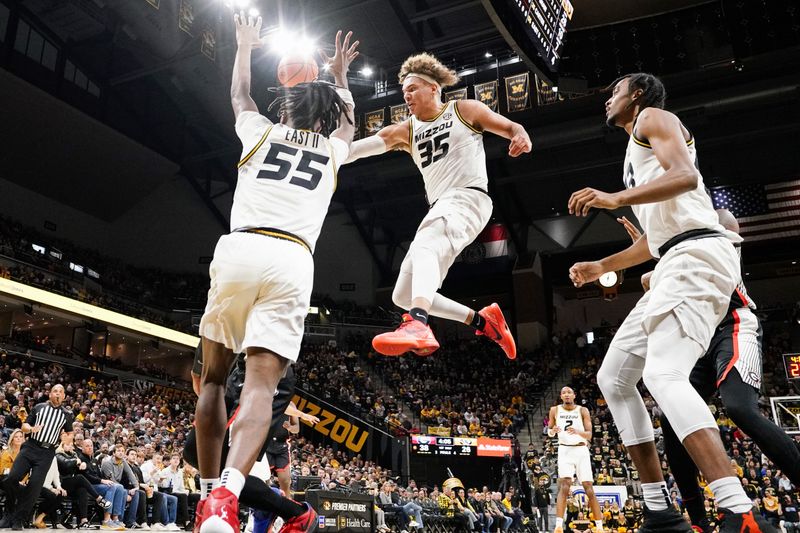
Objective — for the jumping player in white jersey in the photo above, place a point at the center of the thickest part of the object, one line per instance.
(691, 287)
(445, 140)
(573, 425)
(263, 271)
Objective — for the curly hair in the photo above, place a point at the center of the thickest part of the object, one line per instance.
(653, 92)
(427, 64)
(307, 103)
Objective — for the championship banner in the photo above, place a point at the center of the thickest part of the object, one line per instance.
(487, 93)
(439, 431)
(373, 122)
(398, 113)
(154, 3)
(544, 93)
(458, 94)
(208, 43)
(186, 16)
(517, 92)
(343, 512)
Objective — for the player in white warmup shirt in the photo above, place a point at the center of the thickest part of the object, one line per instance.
(690, 291)
(573, 425)
(263, 271)
(446, 142)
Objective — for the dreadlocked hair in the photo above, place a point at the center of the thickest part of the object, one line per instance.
(653, 92)
(305, 104)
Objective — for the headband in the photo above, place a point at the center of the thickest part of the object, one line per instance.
(426, 78)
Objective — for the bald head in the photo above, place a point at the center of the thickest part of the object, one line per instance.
(727, 220)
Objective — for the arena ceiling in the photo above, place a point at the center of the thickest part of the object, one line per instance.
(731, 68)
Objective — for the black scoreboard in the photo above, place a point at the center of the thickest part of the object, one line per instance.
(792, 363)
(535, 29)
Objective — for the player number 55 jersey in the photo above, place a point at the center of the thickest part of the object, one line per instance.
(286, 177)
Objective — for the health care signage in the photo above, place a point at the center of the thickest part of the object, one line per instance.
(337, 511)
(494, 447)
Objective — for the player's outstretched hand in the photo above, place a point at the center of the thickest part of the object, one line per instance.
(345, 54)
(311, 419)
(520, 144)
(633, 231)
(247, 30)
(582, 273)
(581, 201)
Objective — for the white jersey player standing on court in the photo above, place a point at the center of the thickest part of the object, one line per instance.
(445, 140)
(673, 323)
(263, 271)
(573, 425)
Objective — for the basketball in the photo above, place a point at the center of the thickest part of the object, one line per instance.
(294, 69)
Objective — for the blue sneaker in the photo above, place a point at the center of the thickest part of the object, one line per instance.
(263, 520)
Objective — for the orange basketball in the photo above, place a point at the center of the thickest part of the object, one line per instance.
(294, 69)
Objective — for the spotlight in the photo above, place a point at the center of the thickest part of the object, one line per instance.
(487, 55)
(284, 42)
(366, 72)
(555, 89)
(253, 12)
(241, 4)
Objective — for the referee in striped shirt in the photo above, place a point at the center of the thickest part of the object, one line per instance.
(45, 425)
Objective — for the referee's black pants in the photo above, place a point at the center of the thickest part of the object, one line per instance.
(36, 460)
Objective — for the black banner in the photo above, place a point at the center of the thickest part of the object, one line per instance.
(352, 434)
(373, 122)
(487, 93)
(517, 92)
(342, 512)
(458, 94)
(398, 113)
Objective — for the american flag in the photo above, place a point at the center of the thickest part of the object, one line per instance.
(764, 211)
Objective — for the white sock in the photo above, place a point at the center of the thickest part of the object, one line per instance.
(729, 494)
(599, 525)
(206, 486)
(233, 480)
(656, 496)
(559, 522)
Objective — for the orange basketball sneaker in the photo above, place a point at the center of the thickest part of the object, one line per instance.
(220, 512)
(411, 336)
(497, 329)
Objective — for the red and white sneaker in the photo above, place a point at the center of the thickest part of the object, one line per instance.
(198, 516)
(497, 329)
(220, 512)
(305, 523)
(411, 336)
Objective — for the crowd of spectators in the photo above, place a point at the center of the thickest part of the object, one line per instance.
(469, 388)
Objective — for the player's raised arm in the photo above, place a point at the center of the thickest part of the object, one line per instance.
(482, 118)
(339, 65)
(247, 29)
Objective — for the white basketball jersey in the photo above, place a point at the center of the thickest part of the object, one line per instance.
(286, 177)
(448, 152)
(663, 220)
(566, 418)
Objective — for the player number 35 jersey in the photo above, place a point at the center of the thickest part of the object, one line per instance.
(286, 177)
(566, 418)
(448, 152)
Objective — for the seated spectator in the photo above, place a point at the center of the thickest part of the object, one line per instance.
(7, 458)
(77, 487)
(389, 501)
(52, 496)
(108, 489)
(791, 516)
(172, 483)
(115, 468)
(165, 506)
